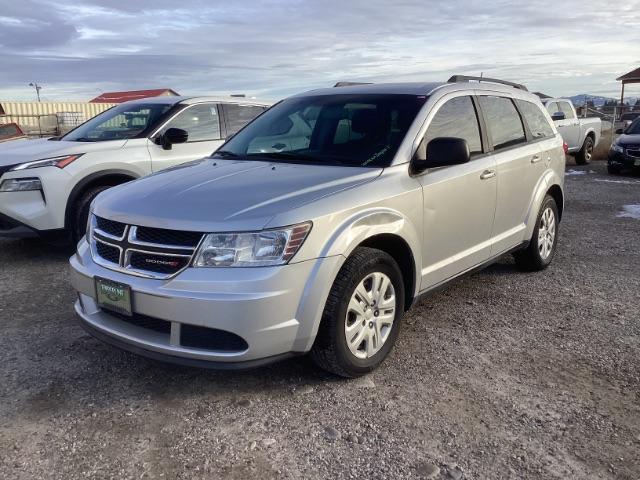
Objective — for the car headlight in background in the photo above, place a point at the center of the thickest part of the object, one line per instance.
(20, 185)
(617, 148)
(59, 162)
(251, 249)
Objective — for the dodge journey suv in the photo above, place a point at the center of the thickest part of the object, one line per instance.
(320, 223)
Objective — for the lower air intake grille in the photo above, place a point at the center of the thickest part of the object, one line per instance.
(211, 339)
(143, 321)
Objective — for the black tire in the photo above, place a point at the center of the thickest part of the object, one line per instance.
(614, 169)
(532, 259)
(81, 211)
(583, 157)
(330, 350)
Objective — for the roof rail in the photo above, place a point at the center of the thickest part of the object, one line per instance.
(350, 84)
(466, 78)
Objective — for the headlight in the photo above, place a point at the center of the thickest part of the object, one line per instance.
(617, 148)
(59, 162)
(251, 249)
(20, 185)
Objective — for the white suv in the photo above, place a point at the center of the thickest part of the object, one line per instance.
(318, 224)
(46, 186)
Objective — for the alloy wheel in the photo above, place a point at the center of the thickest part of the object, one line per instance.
(546, 233)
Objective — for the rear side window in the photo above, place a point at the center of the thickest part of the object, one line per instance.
(536, 120)
(567, 110)
(503, 121)
(237, 116)
(456, 118)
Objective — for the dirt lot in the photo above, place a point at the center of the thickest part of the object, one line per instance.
(502, 375)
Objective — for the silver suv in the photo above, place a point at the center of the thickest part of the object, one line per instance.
(320, 223)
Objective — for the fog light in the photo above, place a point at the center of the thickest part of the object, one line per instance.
(20, 185)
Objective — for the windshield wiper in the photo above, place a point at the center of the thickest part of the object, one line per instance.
(296, 157)
(225, 154)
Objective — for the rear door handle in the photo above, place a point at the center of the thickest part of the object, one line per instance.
(536, 159)
(487, 174)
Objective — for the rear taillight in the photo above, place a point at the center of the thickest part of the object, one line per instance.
(565, 147)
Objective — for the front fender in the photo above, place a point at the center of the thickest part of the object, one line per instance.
(351, 233)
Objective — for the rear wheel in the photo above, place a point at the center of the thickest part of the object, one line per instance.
(542, 247)
(81, 216)
(361, 319)
(586, 152)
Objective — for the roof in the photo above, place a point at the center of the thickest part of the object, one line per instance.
(542, 95)
(632, 75)
(192, 100)
(119, 97)
(412, 88)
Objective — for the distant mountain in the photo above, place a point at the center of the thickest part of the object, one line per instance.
(598, 100)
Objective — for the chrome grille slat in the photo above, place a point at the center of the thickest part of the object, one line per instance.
(130, 247)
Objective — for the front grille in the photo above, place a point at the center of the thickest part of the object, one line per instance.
(211, 339)
(111, 227)
(166, 264)
(168, 237)
(144, 251)
(633, 153)
(143, 321)
(109, 253)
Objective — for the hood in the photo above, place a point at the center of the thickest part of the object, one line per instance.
(21, 151)
(628, 139)
(225, 195)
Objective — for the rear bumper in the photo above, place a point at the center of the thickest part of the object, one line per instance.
(274, 311)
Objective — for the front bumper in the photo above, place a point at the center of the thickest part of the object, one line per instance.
(275, 310)
(623, 160)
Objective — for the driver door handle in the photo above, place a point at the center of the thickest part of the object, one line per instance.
(536, 159)
(487, 174)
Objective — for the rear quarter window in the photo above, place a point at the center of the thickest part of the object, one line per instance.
(536, 120)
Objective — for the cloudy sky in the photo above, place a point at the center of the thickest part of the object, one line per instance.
(273, 48)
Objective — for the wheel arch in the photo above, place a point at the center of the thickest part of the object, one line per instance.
(556, 192)
(109, 178)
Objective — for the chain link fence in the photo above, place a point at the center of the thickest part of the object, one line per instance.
(46, 125)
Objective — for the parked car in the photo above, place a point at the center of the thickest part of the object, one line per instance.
(315, 227)
(46, 185)
(581, 134)
(11, 131)
(625, 150)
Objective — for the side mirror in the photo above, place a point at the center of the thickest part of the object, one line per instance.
(558, 116)
(441, 152)
(171, 136)
(619, 131)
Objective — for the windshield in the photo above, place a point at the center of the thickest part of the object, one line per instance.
(634, 128)
(119, 123)
(341, 129)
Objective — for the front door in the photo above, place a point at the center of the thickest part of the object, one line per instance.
(459, 201)
(202, 123)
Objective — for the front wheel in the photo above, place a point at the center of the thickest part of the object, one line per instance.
(81, 216)
(586, 152)
(361, 319)
(542, 246)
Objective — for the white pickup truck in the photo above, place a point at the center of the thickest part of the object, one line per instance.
(580, 134)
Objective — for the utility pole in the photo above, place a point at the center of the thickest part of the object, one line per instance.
(37, 87)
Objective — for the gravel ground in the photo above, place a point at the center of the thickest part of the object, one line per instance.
(502, 375)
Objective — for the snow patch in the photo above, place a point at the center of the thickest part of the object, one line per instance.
(623, 182)
(630, 211)
(571, 171)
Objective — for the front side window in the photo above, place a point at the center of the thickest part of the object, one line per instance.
(567, 110)
(362, 130)
(119, 123)
(456, 118)
(552, 108)
(536, 120)
(237, 116)
(503, 121)
(201, 122)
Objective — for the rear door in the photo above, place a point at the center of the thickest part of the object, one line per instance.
(459, 201)
(202, 123)
(518, 163)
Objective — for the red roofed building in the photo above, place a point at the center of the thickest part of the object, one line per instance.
(119, 97)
